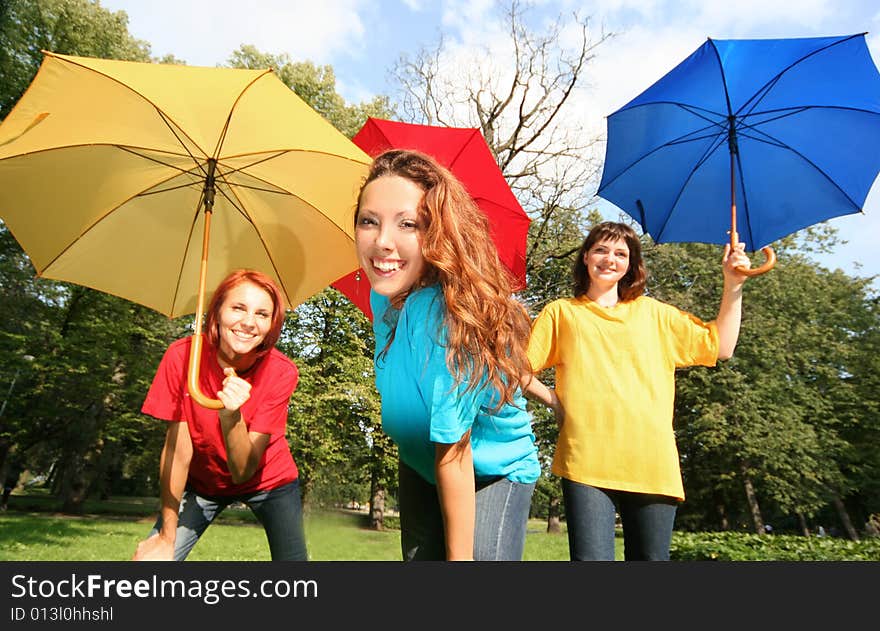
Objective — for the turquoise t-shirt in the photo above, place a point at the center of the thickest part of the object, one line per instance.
(423, 405)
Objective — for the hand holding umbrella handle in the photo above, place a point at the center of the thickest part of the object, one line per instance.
(769, 258)
(192, 381)
(769, 263)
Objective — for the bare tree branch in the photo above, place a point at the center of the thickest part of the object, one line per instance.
(519, 90)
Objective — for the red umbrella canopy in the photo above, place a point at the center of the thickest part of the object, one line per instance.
(463, 151)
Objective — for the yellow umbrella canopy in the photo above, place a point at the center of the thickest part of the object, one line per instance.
(111, 172)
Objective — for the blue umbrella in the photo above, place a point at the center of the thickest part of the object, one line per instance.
(789, 127)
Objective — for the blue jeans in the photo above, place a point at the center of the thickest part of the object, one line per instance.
(502, 513)
(279, 510)
(589, 512)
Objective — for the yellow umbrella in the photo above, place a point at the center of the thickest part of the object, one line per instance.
(111, 172)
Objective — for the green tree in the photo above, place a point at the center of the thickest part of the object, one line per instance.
(335, 407)
(75, 413)
(316, 85)
(766, 429)
(71, 27)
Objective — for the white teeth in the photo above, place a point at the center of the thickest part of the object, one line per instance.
(386, 266)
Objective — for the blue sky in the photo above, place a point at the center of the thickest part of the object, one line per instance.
(362, 39)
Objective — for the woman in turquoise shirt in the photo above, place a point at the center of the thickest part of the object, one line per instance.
(450, 352)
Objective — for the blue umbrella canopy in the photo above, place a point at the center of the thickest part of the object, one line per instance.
(787, 129)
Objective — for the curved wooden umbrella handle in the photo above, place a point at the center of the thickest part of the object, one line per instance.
(195, 350)
(192, 379)
(769, 254)
(769, 263)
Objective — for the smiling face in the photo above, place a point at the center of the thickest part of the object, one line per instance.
(388, 235)
(607, 262)
(245, 317)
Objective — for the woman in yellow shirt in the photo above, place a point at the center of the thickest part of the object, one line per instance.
(615, 352)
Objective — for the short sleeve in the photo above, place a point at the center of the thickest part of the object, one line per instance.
(270, 414)
(453, 409)
(693, 342)
(543, 340)
(164, 399)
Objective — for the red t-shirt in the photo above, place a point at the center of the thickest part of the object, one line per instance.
(272, 384)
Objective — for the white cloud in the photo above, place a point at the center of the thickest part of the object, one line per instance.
(205, 32)
(468, 16)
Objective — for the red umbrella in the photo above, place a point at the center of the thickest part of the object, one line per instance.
(463, 151)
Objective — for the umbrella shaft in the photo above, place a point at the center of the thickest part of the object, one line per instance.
(734, 237)
(206, 238)
(203, 269)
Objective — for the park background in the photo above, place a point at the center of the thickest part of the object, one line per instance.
(781, 439)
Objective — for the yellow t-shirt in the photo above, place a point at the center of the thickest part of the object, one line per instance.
(615, 376)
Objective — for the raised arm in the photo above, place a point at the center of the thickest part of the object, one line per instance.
(730, 309)
(456, 488)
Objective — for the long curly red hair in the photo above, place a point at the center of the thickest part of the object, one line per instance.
(487, 329)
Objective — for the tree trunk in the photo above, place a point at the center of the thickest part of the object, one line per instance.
(377, 503)
(82, 451)
(844, 518)
(805, 530)
(721, 509)
(752, 499)
(553, 525)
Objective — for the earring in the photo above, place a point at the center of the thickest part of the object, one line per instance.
(357, 276)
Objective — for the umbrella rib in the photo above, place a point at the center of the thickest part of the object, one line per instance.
(106, 214)
(759, 95)
(257, 188)
(79, 146)
(278, 152)
(683, 139)
(709, 151)
(475, 132)
(199, 180)
(278, 275)
(256, 229)
(180, 267)
(168, 124)
(169, 189)
(770, 140)
(712, 117)
(798, 109)
(693, 109)
(781, 113)
(125, 86)
(235, 203)
(222, 137)
(163, 163)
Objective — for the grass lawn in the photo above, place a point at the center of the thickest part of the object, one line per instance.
(27, 533)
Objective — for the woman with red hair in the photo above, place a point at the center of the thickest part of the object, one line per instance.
(239, 453)
(450, 354)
